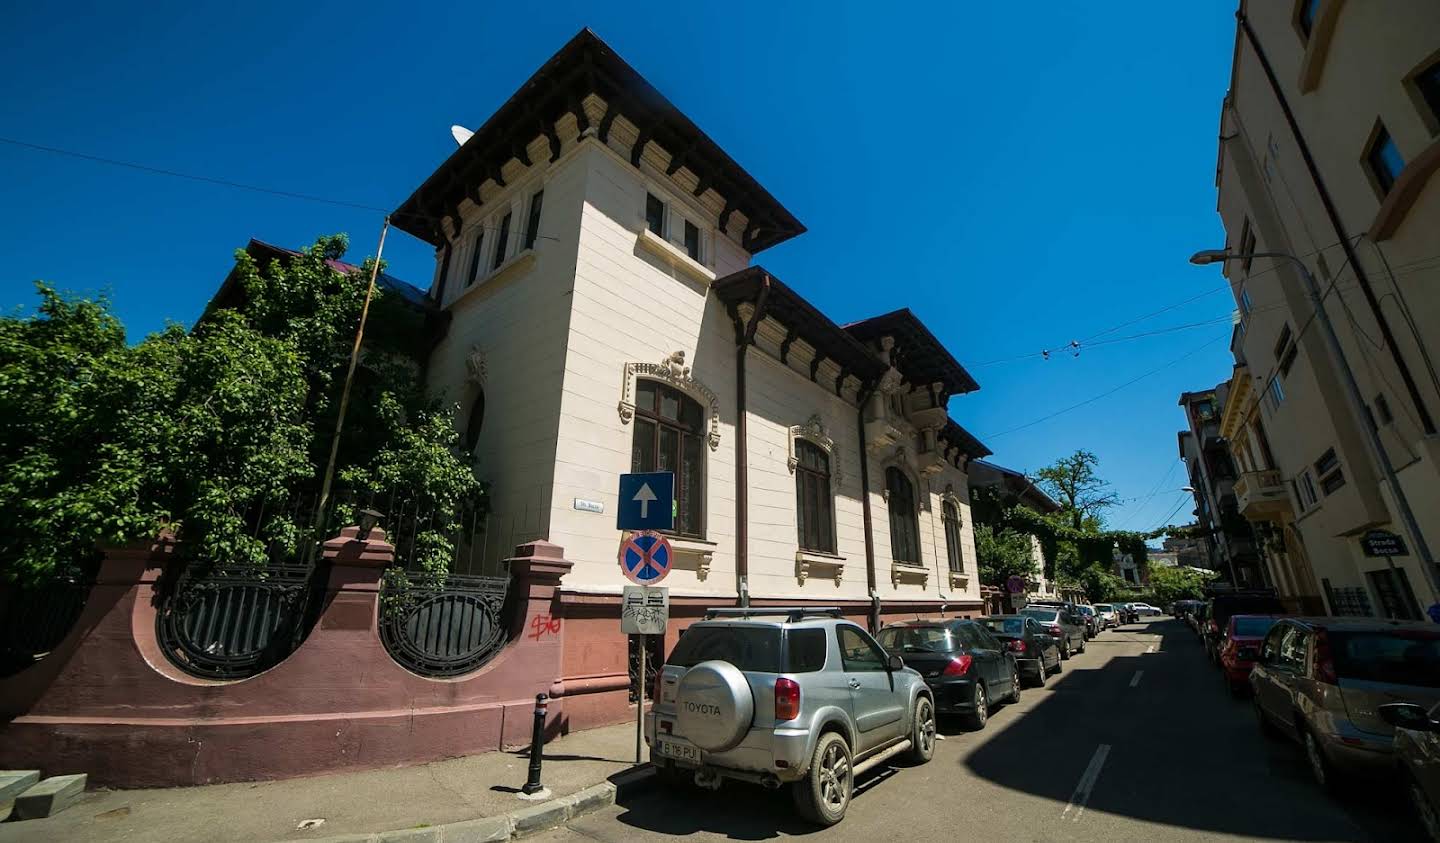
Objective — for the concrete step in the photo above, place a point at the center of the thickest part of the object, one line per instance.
(12, 784)
(49, 797)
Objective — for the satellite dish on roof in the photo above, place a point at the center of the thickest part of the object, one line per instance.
(461, 134)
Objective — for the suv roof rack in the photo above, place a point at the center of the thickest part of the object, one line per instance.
(791, 613)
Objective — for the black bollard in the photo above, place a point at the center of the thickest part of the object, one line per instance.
(537, 746)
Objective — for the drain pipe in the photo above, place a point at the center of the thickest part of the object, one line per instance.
(742, 462)
(864, 397)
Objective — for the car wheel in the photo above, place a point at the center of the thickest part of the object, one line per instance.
(1039, 680)
(1429, 815)
(824, 794)
(1055, 671)
(981, 714)
(1082, 645)
(1320, 766)
(922, 736)
(1065, 651)
(1014, 686)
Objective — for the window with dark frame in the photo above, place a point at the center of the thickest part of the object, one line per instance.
(1384, 160)
(1285, 350)
(1247, 246)
(655, 214)
(474, 422)
(1245, 303)
(1309, 10)
(814, 505)
(692, 240)
(1327, 468)
(904, 522)
(475, 258)
(954, 550)
(502, 242)
(1427, 82)
(532, 223)
(670, 436)
(1382, 410)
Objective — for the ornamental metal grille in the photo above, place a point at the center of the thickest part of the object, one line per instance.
(234, 621)
(36, 619)
(442, 628)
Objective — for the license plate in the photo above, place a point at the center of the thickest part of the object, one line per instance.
(679, 750)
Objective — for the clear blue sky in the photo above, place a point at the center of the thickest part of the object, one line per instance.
(1019, 176)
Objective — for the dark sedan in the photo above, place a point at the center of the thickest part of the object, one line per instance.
(1068, 627)
(1036, 652)
(967, 667)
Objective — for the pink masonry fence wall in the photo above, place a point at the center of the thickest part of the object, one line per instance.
(107, 702)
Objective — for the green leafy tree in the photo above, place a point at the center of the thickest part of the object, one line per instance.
(1171, 584)
(1077, 487)
(1099, 584)
(1003, 554)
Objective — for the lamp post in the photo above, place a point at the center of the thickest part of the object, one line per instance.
(1357, 403)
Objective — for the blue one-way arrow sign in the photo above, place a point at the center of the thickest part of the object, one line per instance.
(646, 501)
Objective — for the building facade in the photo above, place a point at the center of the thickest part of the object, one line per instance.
(594, 255)
(1329, 140)
(1010, 487)
(1230, 541)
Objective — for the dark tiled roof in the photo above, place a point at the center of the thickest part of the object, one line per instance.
(959, 436)
(919, 356)
(584, 66)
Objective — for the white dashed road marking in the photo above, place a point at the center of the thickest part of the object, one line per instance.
(1081, 796)
(1135, 680)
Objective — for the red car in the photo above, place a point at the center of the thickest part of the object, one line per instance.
(1240, 647)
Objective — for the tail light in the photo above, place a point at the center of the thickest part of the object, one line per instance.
(659, 685)
(958, 666)
(787, 699)
(1324, 663)
(1016, 646)
(1055, 631)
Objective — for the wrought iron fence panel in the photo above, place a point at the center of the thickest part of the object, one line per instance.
(36, 619)
(234, 621)
(443, 628)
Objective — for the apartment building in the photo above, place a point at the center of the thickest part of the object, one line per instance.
(1229, 541)
(1329, 138)
(593, 257)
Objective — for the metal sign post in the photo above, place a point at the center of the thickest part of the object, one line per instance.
(644, 611)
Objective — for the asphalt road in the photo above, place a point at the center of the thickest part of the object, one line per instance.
(1135, 740)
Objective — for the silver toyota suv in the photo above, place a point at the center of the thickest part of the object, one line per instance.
(780, 696)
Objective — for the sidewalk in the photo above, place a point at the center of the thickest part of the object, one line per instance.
(350, 803)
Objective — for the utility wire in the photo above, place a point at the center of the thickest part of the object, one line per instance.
(1165, 522)
(1154, 490)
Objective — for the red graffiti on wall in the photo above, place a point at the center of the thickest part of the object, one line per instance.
(544, 625)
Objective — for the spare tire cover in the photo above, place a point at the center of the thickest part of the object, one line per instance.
(714, 706)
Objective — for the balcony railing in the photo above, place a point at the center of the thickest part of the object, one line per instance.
(1261, 495)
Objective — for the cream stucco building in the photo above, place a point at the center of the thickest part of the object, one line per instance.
(594, 253)
(1329, 142)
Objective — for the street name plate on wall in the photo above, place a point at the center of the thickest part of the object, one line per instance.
(1383, 543)
(589, 506)
(644, 610)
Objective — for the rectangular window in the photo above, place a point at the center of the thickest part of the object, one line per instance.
(1332, 482)
(1384, 160)
(655, 214)
(1327, 462)
(1285, 350)
(532, 224)
(502, 242)
(1304, 485)
(1309, 10)
(692, 240)
(814, 504)
(1245, 304)
(1247, 246)
(1397, 600)
(475, 258)
(1427, 82)
(1275, 393)
(1327, 468)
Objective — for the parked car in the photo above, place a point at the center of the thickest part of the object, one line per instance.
(1146, 609)
(1092, 620)
(1182, 608)
(1066, 625)
(1037, 653)
(966, 667)
(1197, 617)
(1223, 604)
(1240, 646)
(1127, 612)
(786, 697)
(1417, 749)
(1107, 614)
(1320, 682)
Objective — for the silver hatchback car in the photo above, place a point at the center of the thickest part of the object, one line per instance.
(1321, 682)
(786, 697)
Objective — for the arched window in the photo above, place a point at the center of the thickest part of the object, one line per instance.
(904, 526)
(953, 548)
(814, 505)
(670, 436)
(474, 421)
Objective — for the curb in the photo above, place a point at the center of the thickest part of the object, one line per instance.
(518, 823)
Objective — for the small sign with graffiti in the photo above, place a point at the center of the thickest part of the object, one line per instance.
(644, 610)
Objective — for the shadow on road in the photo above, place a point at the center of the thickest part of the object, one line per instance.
(1182, 752)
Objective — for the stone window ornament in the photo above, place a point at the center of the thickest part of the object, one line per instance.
(673, 371)
(813, 431)
(475, 371)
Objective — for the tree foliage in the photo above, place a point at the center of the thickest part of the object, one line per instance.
(1077, 487)
(1003, 554)
(218, 432)
(1179, 583)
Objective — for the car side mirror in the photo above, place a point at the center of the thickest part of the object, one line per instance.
(1408, 716)
(894, 663)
